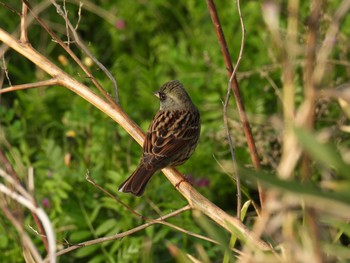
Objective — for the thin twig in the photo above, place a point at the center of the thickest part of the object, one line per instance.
(40, 7)
(79, 16)
(233, 75)
(13, 10)
(49, 82)
(70, 52)
(80, 44)
(235, 88)
(6, 71)
(24, 33)
(65, 16)
(98, 10)
(2, 78)
(158, 221)
(90, 180)
(123, 234)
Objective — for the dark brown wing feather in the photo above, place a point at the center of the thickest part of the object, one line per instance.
(171, 133)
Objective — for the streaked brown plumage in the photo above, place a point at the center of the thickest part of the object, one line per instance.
(171, 137)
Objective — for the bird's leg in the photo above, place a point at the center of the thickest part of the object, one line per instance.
(186, 178)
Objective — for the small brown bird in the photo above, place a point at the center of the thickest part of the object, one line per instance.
(171, 137)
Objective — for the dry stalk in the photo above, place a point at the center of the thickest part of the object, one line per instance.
(236, 91)
(24, 198)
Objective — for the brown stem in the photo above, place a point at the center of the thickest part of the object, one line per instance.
(238, 180)
(235, 88)
(310, 87)
(24, 35)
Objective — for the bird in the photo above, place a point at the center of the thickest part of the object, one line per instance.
(171, 138)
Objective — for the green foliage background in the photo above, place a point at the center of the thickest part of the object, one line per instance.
(144, 44)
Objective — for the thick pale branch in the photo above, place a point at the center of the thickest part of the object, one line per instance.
(195, 200)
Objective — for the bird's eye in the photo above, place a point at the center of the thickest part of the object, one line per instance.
(162, 96)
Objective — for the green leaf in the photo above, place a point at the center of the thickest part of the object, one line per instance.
(3, 241)
(94, 213)
(80, 236)
(339, 202)
(340, 224)
(322, 152)
(98, 259)
(244, 209)
(105, 226)
(340, 252)
(233, 239)
(86, 251)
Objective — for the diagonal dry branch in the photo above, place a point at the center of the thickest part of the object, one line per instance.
(195, 200)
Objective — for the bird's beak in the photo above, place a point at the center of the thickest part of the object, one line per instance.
(156, 93)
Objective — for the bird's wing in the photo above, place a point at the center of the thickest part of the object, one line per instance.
(168, 133)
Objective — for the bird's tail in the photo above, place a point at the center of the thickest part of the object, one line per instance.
(137, 182)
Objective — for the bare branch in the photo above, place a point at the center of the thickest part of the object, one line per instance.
(50, 82)
(80, 44)
(92, 181)
(40, 7)
(79, 16)
(69, 51)
(24, 35)
(5, 71)
(160, 220)
(195, 200)
(64, 14)
(123, 234)
(233, 75)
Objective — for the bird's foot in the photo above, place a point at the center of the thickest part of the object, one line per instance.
(187, 179)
